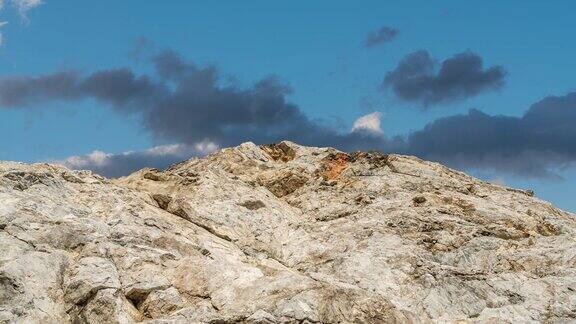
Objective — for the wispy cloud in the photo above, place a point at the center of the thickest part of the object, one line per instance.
(2, 24)
(22, 7)
(381, 36)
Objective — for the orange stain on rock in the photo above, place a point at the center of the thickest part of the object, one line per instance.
(333, 165)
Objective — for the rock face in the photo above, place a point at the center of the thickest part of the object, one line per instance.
(280, 234)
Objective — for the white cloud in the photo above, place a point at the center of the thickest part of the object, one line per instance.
(206, 147)
(114, 165)
(2, 24)
(97, 158)
(369, 123)
(22, 6)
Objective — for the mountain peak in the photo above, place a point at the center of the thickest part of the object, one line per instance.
(280, 233)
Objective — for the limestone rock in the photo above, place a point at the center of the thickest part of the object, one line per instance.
(280, 233)
(87, 277)
(162, 302)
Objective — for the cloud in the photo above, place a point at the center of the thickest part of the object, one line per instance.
(536, 144)
(115, 165)
(369, 123)
(381, 36)
(21, 91)
(184, 103)
(141, 47)
(2, 24)
(417, 78)
(22, 6)
(181, 102)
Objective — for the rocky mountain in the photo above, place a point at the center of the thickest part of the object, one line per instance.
(280, 234)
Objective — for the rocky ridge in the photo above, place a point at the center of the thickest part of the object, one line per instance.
(280, 234)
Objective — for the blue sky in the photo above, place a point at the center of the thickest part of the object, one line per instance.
(315, 47)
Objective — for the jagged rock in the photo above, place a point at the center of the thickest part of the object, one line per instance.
(162, 302)
(280, 152)
(262, 317)
(106, 306)
(280, 234)
(87, 277)
(138, 284)
(283, 183)
(162, 200)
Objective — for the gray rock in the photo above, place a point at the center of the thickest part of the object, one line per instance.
(87, 277)
(280, 234)
(160, 303)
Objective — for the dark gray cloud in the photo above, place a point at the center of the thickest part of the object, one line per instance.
(381, 36)
(119, 87)
(183, 103)
(180, 102)
(536, 144)
(417, 78)
(20, 91)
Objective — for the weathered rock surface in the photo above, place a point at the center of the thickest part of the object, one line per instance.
(280, 234)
